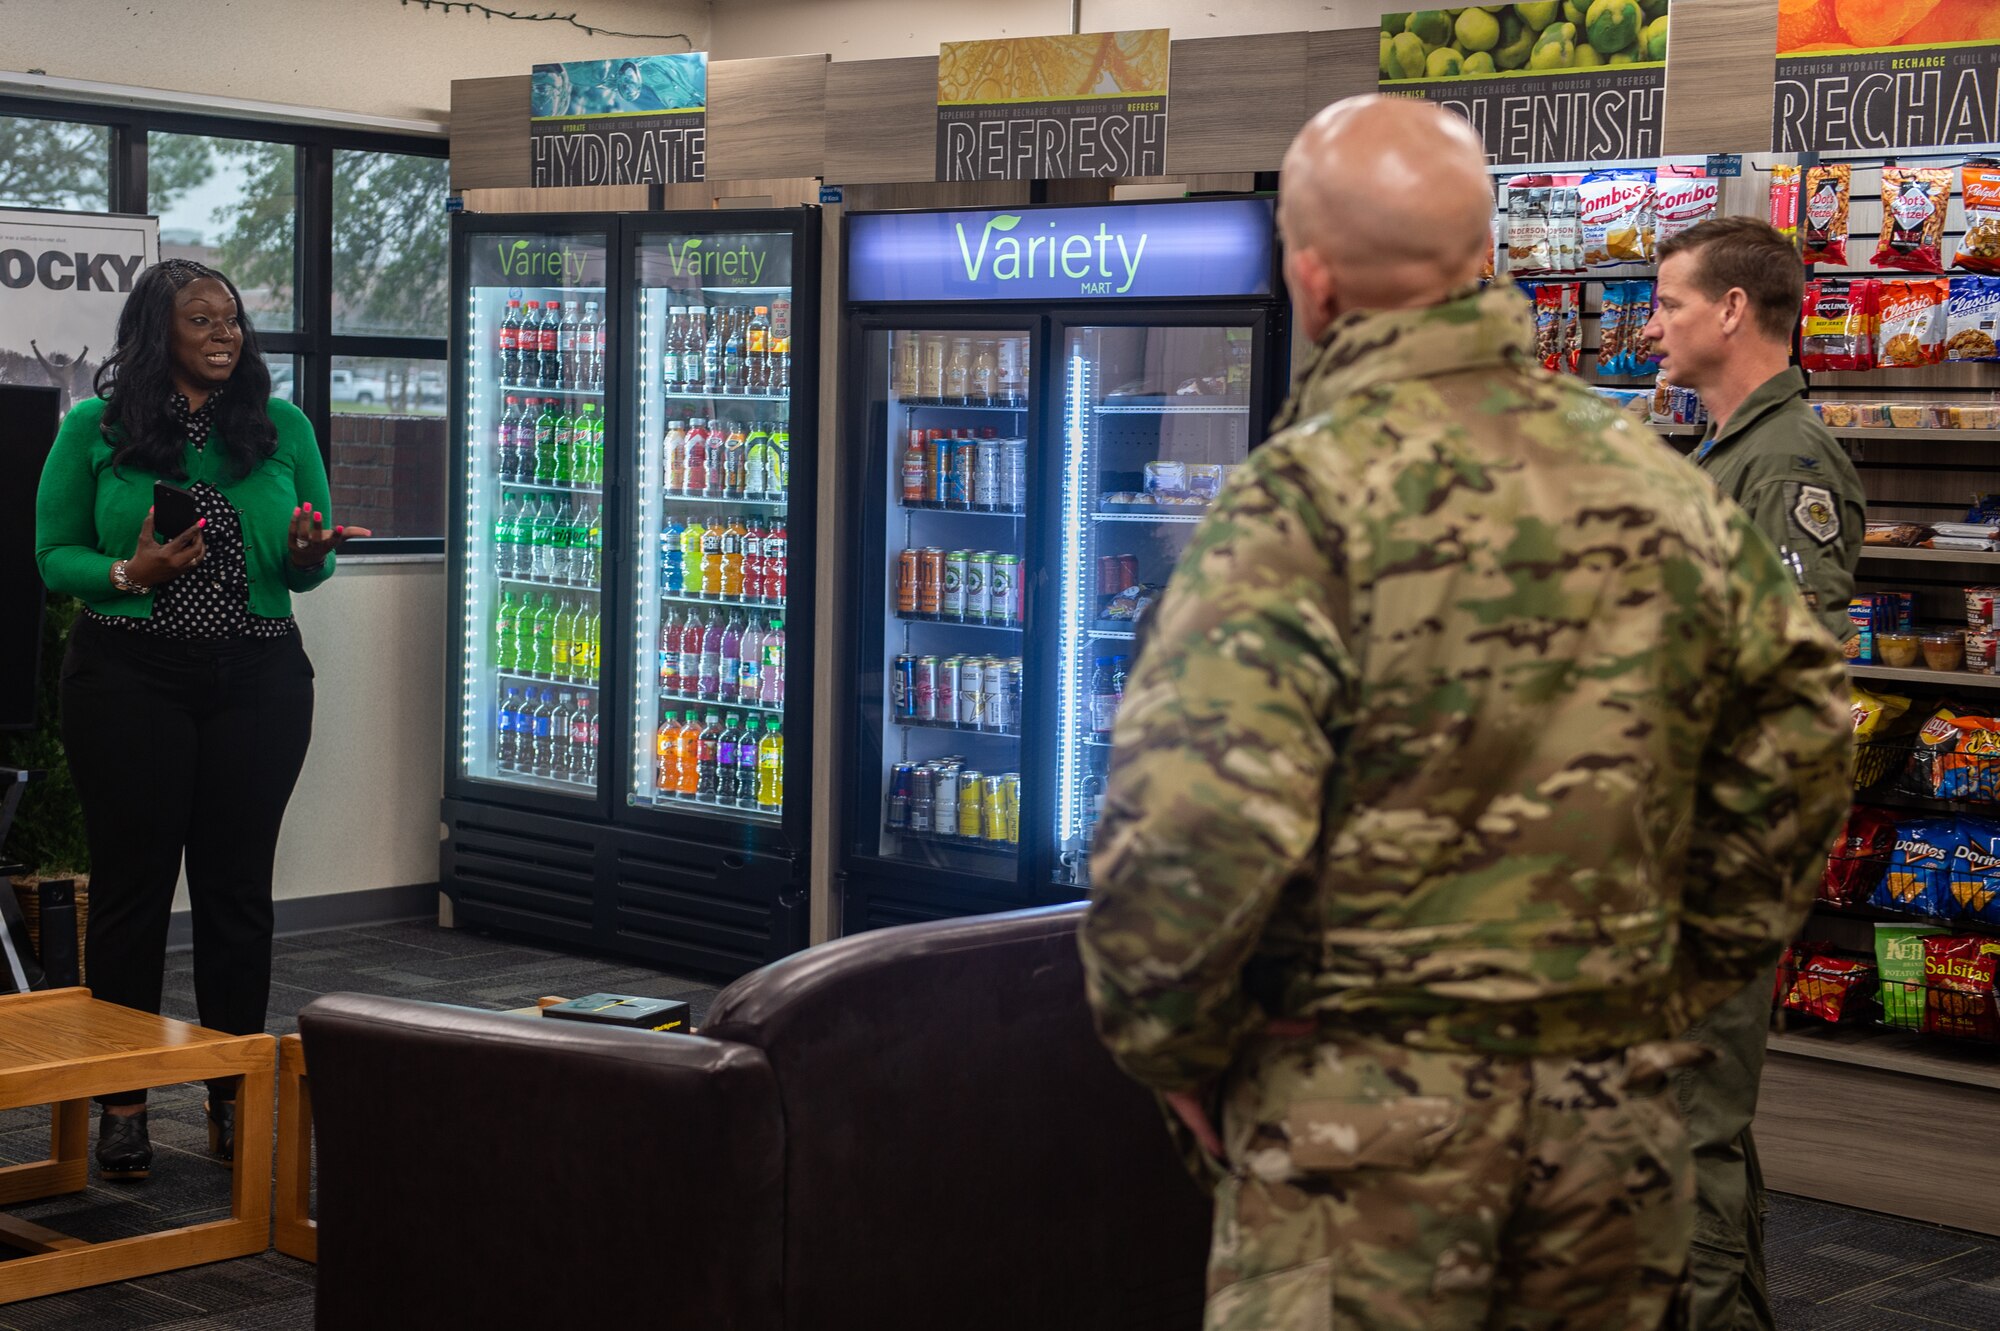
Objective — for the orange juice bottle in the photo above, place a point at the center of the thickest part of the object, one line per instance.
(666, 759)
(687, 755)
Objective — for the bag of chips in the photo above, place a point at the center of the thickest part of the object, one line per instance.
(1530, 236)
(1640, 357)
(1840, 324)
(1974, 884)
(1613, 209)
(1785, 201)
(1860, 857)
(1824, 219)
(1899, 971)
(1979, 247)
(1548, 325)
(1972, 321)
(1911, 322)
(1829, 987)
(1914, 202)
(1572, 327)
(1914, 881)
(1684, 197)
(1958, 984)
(1611, 329)
(1957, 756)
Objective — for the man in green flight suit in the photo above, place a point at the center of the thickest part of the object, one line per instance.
(1476, 748)
(1727, 302)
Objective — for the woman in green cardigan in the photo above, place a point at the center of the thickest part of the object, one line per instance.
(187, 697)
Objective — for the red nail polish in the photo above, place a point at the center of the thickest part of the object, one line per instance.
(338, 530)
(201, 522)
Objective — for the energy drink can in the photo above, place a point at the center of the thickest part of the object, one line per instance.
(988, 475)
(952, 605)
(923, 799)
(924, 690)
(1011, 709)
(945, 710)
(971, 679)
(903, 688)
(1010, 786)
(901, 781)
(964, 466)
(979, 586)
(906, 583)
(993, 695)
(1014, 484)
(937, 467)
(930, 581)
(1005, 597)
(945, 812)
(993, 799)
(971, 805)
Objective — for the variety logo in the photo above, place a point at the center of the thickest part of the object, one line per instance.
(1083, 258)
(522, 259)
(693, 259)
(66, 270)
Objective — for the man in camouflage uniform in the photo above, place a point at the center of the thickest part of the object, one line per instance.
(1728, 300)
(1476, 747)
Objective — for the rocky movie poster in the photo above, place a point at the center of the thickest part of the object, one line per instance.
(1882, 75)
(64, 278)
(641, 121)
(1053, 108)
(1551, 81)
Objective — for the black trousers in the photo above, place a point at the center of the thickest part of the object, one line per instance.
(184, 748)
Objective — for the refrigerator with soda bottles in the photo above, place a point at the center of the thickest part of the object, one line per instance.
(626, 396)
(1042, 401)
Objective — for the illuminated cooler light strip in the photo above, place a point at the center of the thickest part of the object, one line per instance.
(473, 526)
(645, 678)
(1072, 614)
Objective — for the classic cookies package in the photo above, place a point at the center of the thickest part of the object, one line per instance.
(1972, 322)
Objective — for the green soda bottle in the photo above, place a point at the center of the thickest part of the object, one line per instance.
(565, 448)
(592, 640)
(545, 444)
(504, 649)
(560, 638)
(580, 445)
(540, 630)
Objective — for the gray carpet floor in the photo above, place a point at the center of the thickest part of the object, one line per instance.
(1831, 1269)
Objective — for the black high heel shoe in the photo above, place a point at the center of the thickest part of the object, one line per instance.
(124, 1149)
(222, 1129)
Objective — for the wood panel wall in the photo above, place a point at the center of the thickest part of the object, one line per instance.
(1721, 67)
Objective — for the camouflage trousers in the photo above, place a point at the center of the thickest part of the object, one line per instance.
(1371, 1187)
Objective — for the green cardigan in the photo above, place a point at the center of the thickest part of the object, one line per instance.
(87, 515)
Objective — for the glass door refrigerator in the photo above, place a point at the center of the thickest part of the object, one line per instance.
(1042, 402)
(626, 393)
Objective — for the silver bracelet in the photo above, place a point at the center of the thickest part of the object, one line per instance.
(121, 578)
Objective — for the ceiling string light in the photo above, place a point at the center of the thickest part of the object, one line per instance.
(551, 17)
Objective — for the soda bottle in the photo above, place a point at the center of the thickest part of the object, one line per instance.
(672, 345)
(694, 476)
(544, 472)
(531, 540)
(508, 744)
(595, 639)
(665, 777)
(525, 752)
(503, 538)
(730, 670)
(709, 684)
(732, 357)
(551, 346)
(582, 753)
(562, 442)
(505, 459)
(539, 630)
(504, 651)
(579, 445)
(597, 451)
(691, 568)
(591, 761)
(711, 354)
(778, 380)
(753, 559)
(746, 765)
(693, 374)
(673, 448)
(733, 450)
(771, 769)
(1103, 697)
(579, 645)
(688, 750)
(757, 461)
(593, 554)
(708, 752)
(690, 660)
(673, 561)
(527, 347)
(560, 638)
(558, 762)
(727, 759)
(771, 683)
(559, 541)
(577, 541)
(568, 363)
(711, 558)
(750, 665)
(732, 557)
(670, 650)
(756, 351)
(510, 344)
(524, 633)
(590, 346)
(775, 555)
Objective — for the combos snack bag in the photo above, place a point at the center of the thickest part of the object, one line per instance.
(1859, 858)
(1824, 220)
(1840, 324)
(1979, 247)
(1828, 987)
(1972, 320)
(1957, 756)
(1684, 196)
(1899, 968)
(1911, 322)
(1914, 202)
(1616, 212)
(1919, 867)
(1785, 201)
(1958, 984)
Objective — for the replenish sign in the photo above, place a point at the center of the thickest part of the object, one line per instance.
(1555, 81)
(64, 278)
(1880, 75)
(640, 121)
(1053, 108)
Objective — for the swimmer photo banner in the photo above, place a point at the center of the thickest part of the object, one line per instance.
(1550, 81)
(638, 121)
(1879, 75)
(1053, 108)
(64, 278)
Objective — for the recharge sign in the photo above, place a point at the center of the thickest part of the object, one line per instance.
(64, 278)
(1887, 74)
(1221, 247)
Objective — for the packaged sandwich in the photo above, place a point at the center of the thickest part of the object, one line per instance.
(1914, 202)
(1979, 247)
(1911, 322)
(1823, 221)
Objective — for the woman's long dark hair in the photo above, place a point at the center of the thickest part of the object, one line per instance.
(136, 381)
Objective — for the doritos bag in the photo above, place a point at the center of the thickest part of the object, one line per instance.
(1957, 756)
(1958, 987)
(1974, 884)
(1860, 857)
(1919, 868)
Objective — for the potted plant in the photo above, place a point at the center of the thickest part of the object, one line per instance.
(48, 833)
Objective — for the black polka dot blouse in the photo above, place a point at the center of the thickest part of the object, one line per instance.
(212, 599)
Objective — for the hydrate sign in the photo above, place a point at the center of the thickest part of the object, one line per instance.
(1221, 247)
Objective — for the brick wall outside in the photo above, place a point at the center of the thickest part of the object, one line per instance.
(388, 474)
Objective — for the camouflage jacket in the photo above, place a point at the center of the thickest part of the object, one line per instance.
(1792, 477)
(1472, 715)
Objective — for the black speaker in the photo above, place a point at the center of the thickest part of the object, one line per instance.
(28, 420)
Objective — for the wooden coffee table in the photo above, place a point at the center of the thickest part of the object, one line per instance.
(60, 1047)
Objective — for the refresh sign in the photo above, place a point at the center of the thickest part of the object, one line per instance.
(1219, 247)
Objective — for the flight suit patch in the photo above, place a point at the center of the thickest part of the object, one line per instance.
(1814, 512)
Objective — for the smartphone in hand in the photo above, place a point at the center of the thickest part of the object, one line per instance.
(173, 510)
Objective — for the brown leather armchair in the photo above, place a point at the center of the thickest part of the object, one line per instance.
(910, 1128)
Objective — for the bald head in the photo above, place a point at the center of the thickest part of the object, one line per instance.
(1386, 201)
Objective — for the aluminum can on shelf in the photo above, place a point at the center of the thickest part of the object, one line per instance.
(1012, 707)
(1014, 485)
(993, 695)
(902, 781)
(945, 809)
(945, 710)
(971, 679)
(993, 799)
(1006, 591)
(937, 467)
(930, 581)
(903, 688)
(923, 799)
(952, 604)
(1011, 791)
(970, 804)
(979, 586)
(924, 691)
(989, 479)
(964, 465)
(906, 583)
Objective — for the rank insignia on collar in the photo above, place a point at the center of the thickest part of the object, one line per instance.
(1810, 464)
